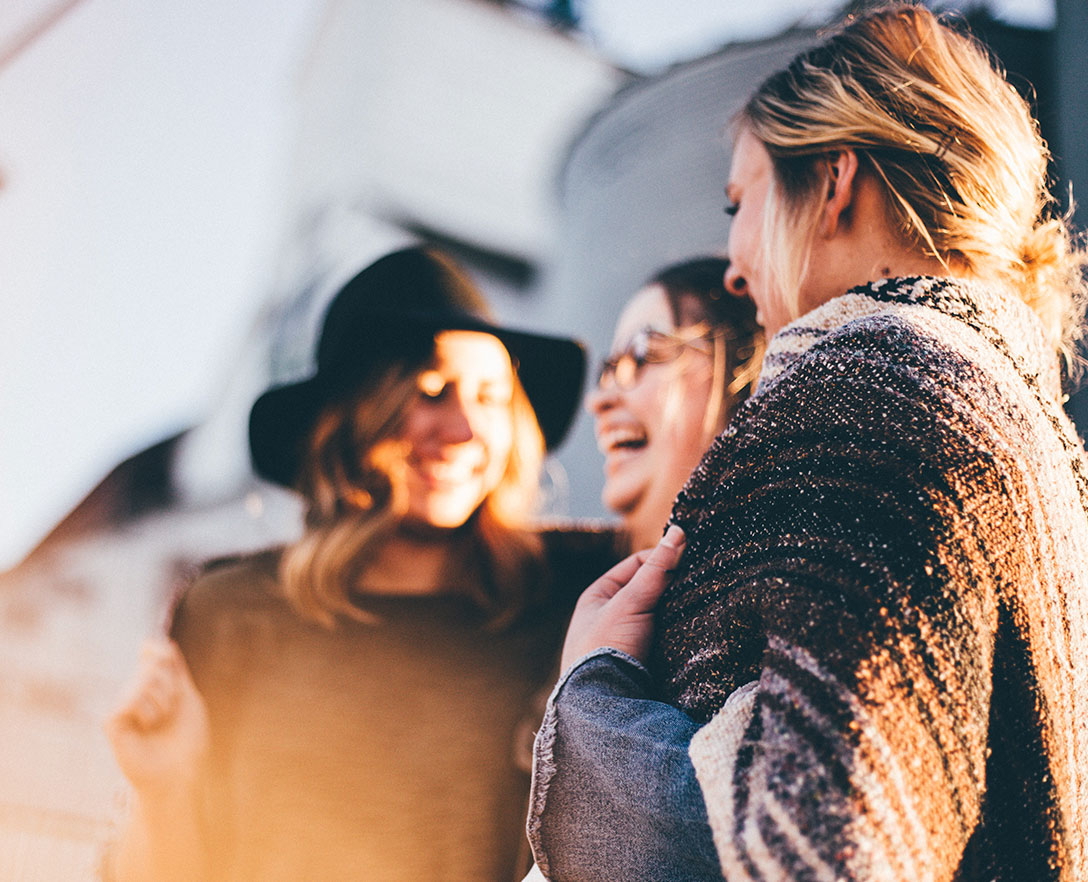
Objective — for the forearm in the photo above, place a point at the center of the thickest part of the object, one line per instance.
(614, 792)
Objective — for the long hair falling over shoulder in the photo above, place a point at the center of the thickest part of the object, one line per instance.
(954, 145)
(355, 495)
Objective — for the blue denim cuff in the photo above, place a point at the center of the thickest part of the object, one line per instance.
(614, 792)
(639, 674)
(544, 767)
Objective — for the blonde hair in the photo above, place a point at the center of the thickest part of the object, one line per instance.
(956, 148)
(356, 499)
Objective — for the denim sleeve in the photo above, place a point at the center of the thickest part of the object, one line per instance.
(614, 791)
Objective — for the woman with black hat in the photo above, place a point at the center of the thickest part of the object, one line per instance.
(354, 699)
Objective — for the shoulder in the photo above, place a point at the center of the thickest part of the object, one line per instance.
(883, 399)
(223, 593)
(898, 368)
(579, 552)
(929, 330)
(231, 580)
(871, 346)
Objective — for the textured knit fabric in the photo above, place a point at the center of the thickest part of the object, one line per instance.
(890, 542)
(384, 751)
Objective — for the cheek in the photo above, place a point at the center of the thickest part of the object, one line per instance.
(654, 399)
(413, 425)
(497, 435)
(687, 434)
(682, 401)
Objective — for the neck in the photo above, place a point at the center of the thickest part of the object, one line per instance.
(645, 525)
(899, 266)
(643, 535)
(864, 247)
(865, 264)
(419, 564)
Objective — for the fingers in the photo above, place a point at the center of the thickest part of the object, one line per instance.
(619, 575)
(668, 551)
(645, 587)
(618, 609)
(152, 698)
(663, 556)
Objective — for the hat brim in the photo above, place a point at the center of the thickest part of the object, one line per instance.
(551, 370)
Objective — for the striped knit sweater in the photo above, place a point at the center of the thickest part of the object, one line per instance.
(883, 608)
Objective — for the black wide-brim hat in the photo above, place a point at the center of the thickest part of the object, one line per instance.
(390, 312)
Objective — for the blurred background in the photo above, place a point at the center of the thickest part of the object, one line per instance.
(183, 185)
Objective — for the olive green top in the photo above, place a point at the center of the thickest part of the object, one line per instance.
(385, 751)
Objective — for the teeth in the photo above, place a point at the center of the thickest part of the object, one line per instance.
(622, 436)
(448, 471)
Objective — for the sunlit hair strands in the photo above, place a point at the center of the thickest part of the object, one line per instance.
(919, 101)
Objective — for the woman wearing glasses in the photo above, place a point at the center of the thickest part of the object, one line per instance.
(685, 354)
(868, 660)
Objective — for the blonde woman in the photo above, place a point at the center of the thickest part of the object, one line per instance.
(870, 662)
(347, 707)
(685, 354)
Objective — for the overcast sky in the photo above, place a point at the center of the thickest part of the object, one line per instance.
(143, 144)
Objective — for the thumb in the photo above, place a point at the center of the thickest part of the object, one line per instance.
(647, 585)
(669, 549)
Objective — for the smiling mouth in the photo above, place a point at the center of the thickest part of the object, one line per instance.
(446, 474)
(620, 439)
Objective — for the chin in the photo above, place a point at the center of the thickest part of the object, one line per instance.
(443, 515)
(619, 501)
(445, 520)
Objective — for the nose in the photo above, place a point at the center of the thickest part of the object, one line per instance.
(603, 396)
(735, 283)
(455, 426)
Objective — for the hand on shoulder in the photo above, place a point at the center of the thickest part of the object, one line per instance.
(617, 610)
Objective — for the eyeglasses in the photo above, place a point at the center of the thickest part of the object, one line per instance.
(648, 346)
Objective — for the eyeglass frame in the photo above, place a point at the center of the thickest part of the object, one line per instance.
(626, 378)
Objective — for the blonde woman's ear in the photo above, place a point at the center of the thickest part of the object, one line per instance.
(842, 172)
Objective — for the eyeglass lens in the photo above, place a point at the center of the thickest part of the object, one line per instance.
(648, 346)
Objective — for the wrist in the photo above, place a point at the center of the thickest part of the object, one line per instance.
(605, 655)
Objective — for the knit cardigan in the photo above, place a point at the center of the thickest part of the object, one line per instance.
(882, 613)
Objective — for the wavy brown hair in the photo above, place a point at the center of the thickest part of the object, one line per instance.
(954, 145)
(695, 292)
(356, 499)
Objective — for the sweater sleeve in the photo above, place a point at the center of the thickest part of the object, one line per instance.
(845, 546)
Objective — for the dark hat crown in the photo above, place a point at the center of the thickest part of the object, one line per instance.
(404, 286)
